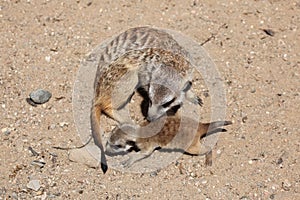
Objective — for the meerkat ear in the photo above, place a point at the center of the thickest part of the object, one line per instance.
(187, 86)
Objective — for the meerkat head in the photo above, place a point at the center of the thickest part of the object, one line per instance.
(163, 100)
(121, 140)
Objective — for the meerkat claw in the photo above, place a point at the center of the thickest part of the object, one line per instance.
(127, 163)
(198, 101)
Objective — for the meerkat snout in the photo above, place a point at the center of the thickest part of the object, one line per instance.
(164, 101)
(122, 140)
(161, 99)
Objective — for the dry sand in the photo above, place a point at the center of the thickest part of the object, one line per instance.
(254, 44)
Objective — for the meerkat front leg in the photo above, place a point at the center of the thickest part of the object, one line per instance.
(135, 157)
(208, 158)
(189, 95)
(186, 93)
(124, 89)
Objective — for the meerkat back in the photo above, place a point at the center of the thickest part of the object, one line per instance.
(136, 39)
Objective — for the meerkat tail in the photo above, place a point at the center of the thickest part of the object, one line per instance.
(217, 124)
(95, 124)
(210, 128)
(203, 128)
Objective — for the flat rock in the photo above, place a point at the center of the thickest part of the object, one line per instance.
(34, 185)
(82, 156)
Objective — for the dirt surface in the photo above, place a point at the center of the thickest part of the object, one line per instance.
(254, 44)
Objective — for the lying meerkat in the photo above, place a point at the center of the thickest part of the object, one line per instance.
(125, 139)
(145, 58)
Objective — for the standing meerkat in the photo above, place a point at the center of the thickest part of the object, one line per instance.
(125, 138)
(145, 58)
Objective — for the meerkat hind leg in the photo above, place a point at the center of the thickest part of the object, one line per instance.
(208, 158)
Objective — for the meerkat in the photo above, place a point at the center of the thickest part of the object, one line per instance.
(145, 58)
(125, 139)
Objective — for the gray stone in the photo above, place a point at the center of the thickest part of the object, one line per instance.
(34, 185)
(6, 131)
(40, 96)
(39, 163)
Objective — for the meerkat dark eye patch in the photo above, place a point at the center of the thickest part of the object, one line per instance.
(173, 110)
(118, 146)
(130, 143)
(165, 105)
(133, 145)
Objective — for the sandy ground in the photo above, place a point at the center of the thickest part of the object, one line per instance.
(43, 43)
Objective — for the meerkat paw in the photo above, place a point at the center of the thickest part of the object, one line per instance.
(193, 98)
(134, 158)
(196, 100)
(127, 163)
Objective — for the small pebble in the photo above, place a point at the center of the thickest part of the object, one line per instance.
(52, 126)
(39, 163)
(286, 185)
(253, 90)
(34, 185)
(279, 161)
(244, 198)
(153, 174)
(192, 174)
(6, 131)
(204, 181)
(269, 32)
(63, 124)
(53, 196)
(48, 58)
(14, 195)
(44, 196)
(34, 153)
(40, 96)
(244, 119)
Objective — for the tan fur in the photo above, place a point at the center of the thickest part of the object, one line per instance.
(142, 54)
(163, 138)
